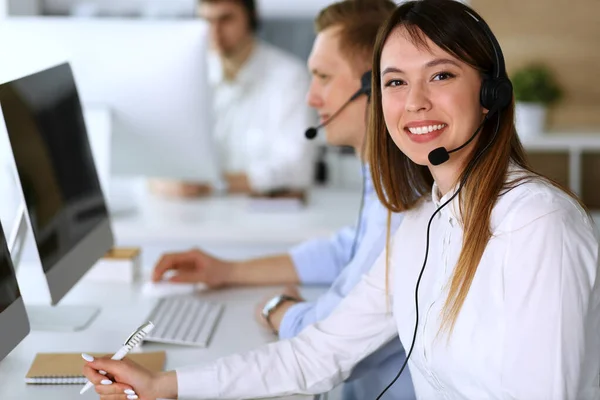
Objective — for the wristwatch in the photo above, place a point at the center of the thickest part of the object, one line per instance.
(272, 305)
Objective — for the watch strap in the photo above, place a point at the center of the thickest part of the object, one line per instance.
(270, 308)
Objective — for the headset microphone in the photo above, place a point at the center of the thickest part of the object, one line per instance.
(311, 132)
(365, 88)
(441, 155)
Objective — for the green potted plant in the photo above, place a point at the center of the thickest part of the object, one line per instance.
(535, 89)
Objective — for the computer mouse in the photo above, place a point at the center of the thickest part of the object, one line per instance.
(166, 289)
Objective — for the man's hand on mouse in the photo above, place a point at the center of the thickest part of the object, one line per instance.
(193, 266)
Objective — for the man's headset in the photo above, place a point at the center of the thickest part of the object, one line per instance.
(365, 88)
(311, 133)
(495, 95)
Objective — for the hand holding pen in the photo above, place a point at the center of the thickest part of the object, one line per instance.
(134, 339)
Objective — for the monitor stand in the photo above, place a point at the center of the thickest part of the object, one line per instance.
(60, 318)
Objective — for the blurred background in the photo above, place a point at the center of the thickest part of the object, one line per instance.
(141, 70)
(545, 42)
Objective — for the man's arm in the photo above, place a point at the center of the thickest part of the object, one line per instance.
(292, 318)
(196, 266)
(320, 261)
(317, 261)
(273, 270)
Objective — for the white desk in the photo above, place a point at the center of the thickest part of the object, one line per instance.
(123, 309)
(224, 226)
(230, 220)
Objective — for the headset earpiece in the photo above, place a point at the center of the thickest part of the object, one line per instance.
(496, 90)
(365, 82)
(496, 93)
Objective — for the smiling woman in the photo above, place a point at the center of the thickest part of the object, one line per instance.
(431, 94)
(507, 301)
(432, 68)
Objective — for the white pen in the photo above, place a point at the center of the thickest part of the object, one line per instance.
(133, 340)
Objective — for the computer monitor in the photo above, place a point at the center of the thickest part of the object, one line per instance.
(14, 325)
(65, 204)
(152, 76)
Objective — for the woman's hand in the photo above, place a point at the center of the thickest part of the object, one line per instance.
(126, 380)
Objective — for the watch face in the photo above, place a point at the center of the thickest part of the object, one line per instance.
(270, 304)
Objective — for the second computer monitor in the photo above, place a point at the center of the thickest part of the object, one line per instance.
(151, 75)
(14, 325)
(54, 162)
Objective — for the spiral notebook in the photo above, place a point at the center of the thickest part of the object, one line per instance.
(65, 368)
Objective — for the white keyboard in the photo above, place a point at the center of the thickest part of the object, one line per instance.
(184, 320)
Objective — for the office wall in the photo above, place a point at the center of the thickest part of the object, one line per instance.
(564, 34)
(295, 35)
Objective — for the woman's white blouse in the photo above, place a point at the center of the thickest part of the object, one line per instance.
(529, 328)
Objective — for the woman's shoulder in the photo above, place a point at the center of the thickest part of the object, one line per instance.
(528, 197)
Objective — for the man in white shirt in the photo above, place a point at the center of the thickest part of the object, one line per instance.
(260, 108)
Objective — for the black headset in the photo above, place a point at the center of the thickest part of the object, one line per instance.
(365, 84)
(496, 91)
(495, 95)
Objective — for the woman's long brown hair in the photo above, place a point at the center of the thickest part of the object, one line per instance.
(400, 183)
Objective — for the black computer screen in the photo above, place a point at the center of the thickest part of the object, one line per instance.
(54, 161)
(9, 290)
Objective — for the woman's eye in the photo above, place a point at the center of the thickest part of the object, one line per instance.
(443, 76)
(394, 82)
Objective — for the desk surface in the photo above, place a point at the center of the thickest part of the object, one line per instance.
(115, 323)
(231, 219)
